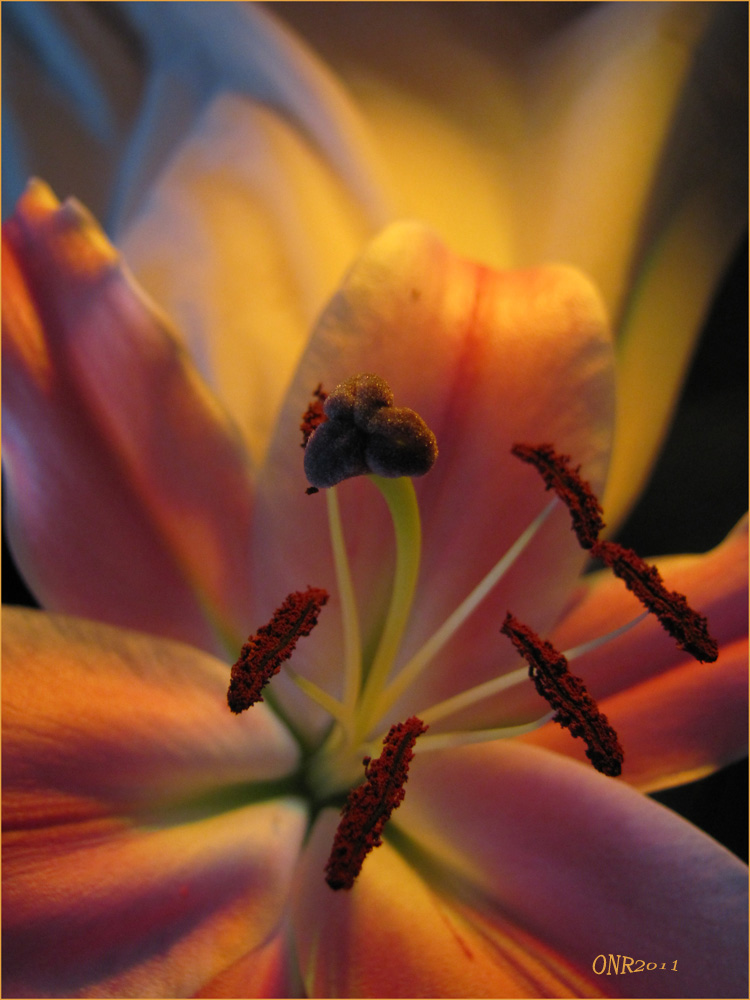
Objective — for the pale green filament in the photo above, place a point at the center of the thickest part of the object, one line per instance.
(480, 692)
(349, 615)
(465, 699)
(402, 504)
(587, 647)
(326, 701)
(442, 741)
(342, 712)
(435, 643)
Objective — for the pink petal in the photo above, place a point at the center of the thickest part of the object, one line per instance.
(579, 863)
(138, 859)
(128, 490)
(488, 358)
(121, 908)
(398, 934)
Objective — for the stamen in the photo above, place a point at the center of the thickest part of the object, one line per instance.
(575, 492)
(365, 434)
(368, 807)
(263, 653)
(575, 708)
(686, 626)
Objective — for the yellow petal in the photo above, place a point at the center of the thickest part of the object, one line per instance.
(241, 239)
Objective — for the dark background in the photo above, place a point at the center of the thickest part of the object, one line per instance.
(697, 492)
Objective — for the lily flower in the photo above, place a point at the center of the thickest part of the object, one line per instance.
(605, 135)
(156, 844)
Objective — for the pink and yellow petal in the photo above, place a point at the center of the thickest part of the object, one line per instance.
(149, 907)
(581, 134)
(140, 857)
(396, 935)
(582, 863)
(99, 720)
(128, 489)
(488, 358)
(269, 970)
(243, 236)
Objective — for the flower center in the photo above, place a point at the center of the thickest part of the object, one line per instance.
(357, 430)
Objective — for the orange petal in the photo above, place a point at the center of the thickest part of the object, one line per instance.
(139, 858)
(677, 720)
(128, 908)
(714, 583)
(100, 720)
(679, 726)
(266, 971)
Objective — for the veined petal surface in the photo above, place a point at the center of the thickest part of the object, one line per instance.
(101, 719)
(614, 872)
(111, 909)
(398, 934)
(129, 491)
(142, 852)
(270, 970)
